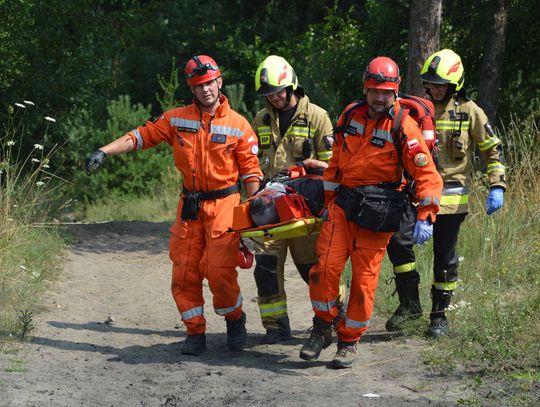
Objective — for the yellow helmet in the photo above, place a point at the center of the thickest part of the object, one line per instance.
(444, 67)
(274, 74)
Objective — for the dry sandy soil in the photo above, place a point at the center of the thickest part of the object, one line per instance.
(121, 269)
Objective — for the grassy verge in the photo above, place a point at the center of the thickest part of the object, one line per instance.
(30, 253)
(494, 319)
(158, 205)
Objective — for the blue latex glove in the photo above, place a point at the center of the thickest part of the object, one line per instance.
(495, 200)
(423, 230)
(324, 214)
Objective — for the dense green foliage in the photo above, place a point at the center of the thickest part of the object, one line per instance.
(73, 58)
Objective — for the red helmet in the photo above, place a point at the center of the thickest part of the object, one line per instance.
(200, 69)
(382, 73)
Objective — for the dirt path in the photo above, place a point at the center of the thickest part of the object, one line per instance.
(122, 269)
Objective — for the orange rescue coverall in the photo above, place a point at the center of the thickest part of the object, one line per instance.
(212, 153)
(357, 162)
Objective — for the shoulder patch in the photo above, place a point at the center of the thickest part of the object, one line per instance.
(421, 159)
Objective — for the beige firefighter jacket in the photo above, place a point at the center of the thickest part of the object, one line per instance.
(277, 153)
(461, 125)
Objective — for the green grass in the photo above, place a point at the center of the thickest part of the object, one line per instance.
(15, 365)
(30, 251)
(495, 329)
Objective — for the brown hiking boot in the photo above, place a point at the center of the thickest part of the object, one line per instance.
(320, 338)
(345, 356)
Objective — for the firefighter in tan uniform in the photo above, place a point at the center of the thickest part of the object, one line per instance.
(291, 130)
(461, 125)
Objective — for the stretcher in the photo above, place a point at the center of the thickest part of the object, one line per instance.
(284, 230)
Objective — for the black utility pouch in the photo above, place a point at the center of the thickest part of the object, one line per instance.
(190, 209)
(373, 207)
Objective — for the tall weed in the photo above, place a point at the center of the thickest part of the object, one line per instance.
(28, 249)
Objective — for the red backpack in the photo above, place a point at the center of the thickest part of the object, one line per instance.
(420, 109)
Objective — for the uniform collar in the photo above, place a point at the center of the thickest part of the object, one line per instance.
(222, 109)
(301, 107)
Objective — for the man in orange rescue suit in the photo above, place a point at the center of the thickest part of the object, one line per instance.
(215, 149)
(461, 125)
(291, 130)
(374, 141)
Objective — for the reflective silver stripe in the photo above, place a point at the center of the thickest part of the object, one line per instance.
(455, 191)
(330, 186)
(351, 323)
(229, 131)
(383, 134)
(243, 177)
(428, 200)
(323, 306)
(428, 134)
(139, 139)
(189, 124)
(193, 312)
(225, 311)
(358, 126)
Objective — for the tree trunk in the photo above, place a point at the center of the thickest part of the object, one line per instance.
(492, 62)
(424, 29)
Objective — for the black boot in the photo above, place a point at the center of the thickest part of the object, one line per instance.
(409, 301)
(194, 345)
(236, 333)
(280, 334)
(320, 338)
(439, 324)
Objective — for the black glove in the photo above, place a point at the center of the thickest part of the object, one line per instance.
(94, 161)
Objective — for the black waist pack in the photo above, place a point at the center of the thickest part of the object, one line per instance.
(192, 203)
(372, 207)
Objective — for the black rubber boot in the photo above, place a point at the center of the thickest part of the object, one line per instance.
(283, 333)
(320, 338)
(409, 301)
(439, 324)
(194, 345)
(236, 333)
(345, 356)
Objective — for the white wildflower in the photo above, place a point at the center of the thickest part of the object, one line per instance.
(50, 119)
(20, 105)
(461, 258)
(15, 205)
(35, 160)
(22, 267)
(38, 146)
(29, 102)
(35, 274)
(40, 183)
(46, 166)
(11, 143)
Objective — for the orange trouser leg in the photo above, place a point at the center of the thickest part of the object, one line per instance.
(366, 258)
(219, 267)
(333, 247)
(186, 252)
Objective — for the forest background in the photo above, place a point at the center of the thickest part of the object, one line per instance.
(76, 74)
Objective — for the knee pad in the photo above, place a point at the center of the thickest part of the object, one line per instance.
(265, 274)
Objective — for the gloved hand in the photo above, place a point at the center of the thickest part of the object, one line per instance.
(423, 230)
(495, 200)
(94, 161)
(324, 214)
